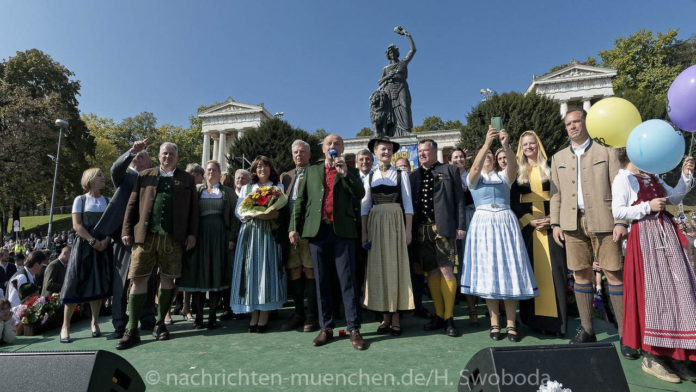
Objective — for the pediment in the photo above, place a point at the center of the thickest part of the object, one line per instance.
(576, 71)
(232, 108)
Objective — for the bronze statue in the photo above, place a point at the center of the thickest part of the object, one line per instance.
(390, 104)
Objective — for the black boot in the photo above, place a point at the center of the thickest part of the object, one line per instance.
(197, 305)
(214, 299)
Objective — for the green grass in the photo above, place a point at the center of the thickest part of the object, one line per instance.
(30, 223)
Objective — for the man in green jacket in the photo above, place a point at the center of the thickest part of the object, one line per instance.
(323, 213)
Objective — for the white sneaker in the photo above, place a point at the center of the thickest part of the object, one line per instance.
(654, 367)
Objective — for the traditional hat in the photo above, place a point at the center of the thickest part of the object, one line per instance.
(382, 139)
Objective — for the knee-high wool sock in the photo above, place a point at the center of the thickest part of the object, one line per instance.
(436, 293)
(616, 297)
(449, 291)
(165, 302)
(135, 308)
(584, 297)
(296, 289)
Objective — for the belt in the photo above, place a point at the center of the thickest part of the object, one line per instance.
(493, 207)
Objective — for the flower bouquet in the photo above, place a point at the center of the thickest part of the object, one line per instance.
(39, 314)
(262, 201)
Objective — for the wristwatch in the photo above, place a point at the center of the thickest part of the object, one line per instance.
(92, 241)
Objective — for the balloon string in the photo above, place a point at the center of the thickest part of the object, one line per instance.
(692, 143)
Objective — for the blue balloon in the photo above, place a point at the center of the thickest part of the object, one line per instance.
(655, 147)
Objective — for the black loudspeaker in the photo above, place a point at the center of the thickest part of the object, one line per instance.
(53, 371)
(583, 367)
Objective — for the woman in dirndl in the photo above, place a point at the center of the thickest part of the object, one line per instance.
(496, 264)
(88, 275)
(387, 213)
(258, 277)
(659, 314)
(208, 267)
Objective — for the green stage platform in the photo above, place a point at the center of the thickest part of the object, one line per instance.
(287, 361)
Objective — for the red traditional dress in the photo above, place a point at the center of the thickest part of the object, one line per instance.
(659, 285)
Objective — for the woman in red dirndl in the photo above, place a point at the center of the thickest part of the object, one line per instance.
(659, 315)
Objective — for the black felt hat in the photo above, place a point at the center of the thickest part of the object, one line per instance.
(382, 139)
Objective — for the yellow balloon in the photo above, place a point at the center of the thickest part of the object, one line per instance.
(612, 120)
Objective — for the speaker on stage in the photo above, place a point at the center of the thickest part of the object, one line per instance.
(583, 367)
(53, 371)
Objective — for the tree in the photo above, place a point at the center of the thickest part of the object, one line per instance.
(364, 132)
(320, 134)
(520, 113)
(114, 139)
(432, 123)
(453, 124)
(272, 139)
(35, 90)
(642, 62)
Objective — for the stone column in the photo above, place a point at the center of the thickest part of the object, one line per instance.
(222, 150)
(586, 105)
(440, 156)
(240, 134)
(206, 149)
(215, 148)
(564, 108)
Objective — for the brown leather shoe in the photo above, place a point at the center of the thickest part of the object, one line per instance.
(324, 336)
(358, 342)
(160, 332)
(130, 338)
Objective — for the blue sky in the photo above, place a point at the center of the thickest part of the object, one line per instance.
(316, 61)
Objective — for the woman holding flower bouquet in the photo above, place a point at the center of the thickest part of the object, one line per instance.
(88, 277)
(208, 266)
(258, 283)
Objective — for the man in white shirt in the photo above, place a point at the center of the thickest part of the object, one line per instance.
(241, 179)
(365, 162)
(582, 220)
(32, 266)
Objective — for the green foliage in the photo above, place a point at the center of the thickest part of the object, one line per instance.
(114, 139)
(520, 113)
(272, 139)
(364, 132)
(35, 90)
(642, 62)
(453, 124)
(320, 134)
(432, 123)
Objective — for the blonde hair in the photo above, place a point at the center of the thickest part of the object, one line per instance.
(523, 166)
(87, 177)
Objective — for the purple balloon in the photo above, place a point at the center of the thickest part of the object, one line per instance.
(681, 100)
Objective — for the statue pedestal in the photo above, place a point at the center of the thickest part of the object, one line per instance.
(406, 140)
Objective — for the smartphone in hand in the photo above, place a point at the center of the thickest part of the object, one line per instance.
(497, 123)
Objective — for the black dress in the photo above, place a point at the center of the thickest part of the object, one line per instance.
(88, 277)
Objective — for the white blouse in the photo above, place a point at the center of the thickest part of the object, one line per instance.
(215, 194)
(491, 178)
(91, 204)
(624, 192)
(388, 179)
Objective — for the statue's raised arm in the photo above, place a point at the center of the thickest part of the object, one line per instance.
(402, 31)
